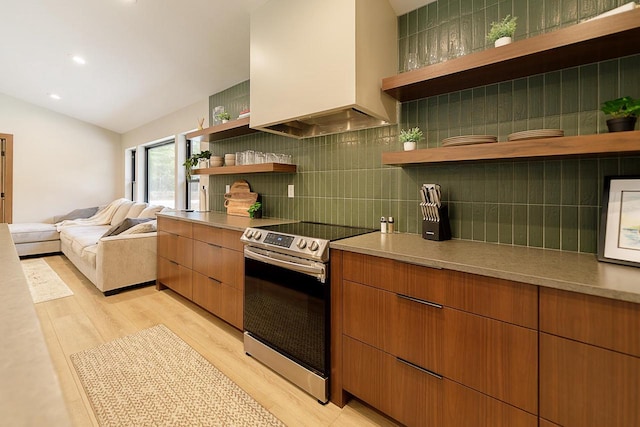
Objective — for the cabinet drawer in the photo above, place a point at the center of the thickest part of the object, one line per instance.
(175, 276)
(493, 357)
(499, 299)
(583, 385)
(373, 271)
(216, 297)
(418, 398)
(593, 320)
(175, 226)
(218, 236)
(175, 248)
(464, 407)
(414, 331)
(222, 264)
(404, 392)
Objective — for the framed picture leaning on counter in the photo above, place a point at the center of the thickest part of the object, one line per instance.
(619, 240)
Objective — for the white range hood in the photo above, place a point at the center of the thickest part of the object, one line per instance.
(317, 66)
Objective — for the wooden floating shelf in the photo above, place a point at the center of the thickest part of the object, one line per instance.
(258, 168)
(568, 146)
(226, 130)
(584, 43)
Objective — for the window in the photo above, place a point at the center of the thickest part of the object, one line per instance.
(132, 174)
(193, 184)
(161, 174)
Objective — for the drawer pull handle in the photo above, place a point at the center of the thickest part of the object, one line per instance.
(430, 304)
(426, 371)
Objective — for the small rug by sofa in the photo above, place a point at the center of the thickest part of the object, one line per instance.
(153, 378)
(44, 283)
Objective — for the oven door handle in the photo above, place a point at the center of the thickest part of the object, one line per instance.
(315, 269)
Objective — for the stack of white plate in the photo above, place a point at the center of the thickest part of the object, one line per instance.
(535, 134)
(468, 140)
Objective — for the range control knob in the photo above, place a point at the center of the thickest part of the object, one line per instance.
(302, 244)
(257, 235)
(314, 246)
(248, 233)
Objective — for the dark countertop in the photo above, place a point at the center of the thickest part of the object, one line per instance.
(568, 271)
(222, 220)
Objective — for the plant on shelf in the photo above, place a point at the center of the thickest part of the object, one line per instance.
(624, 113)
(193, 161)
(410, 138)
(502, 32)
(223, 116)
(255, 210)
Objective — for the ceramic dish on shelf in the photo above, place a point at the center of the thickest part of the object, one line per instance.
(468, 140)
(215, 161)
(535, 134)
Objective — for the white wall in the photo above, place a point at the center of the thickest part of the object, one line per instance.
(60, 163)
(173, 125)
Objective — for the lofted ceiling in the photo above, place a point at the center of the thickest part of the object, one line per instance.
(144, 58)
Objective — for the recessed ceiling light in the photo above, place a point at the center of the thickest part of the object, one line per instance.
(78, 60)
(55, 96)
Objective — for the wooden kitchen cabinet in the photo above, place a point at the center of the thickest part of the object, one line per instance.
(589, 360)
(405, 326)
(175, 254)
(204, 264)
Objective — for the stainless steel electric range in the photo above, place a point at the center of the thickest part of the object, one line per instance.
(286, 300)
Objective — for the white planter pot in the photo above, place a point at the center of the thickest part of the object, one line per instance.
(502, 41)
(409, 145)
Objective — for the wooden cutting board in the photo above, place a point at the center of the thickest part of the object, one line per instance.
(240, 198)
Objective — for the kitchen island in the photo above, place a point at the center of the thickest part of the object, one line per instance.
(31, 393)
(461, 333)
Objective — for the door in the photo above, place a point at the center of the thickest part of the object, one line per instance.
(6, 178)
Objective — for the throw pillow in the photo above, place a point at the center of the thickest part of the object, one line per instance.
(126, 224)
(79, 213)
(146, 227)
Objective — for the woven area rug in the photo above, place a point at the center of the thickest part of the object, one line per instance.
(44, 283)
(153, 378)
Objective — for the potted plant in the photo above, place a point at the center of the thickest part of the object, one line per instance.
(410, 137)
(502, 32)
(224, 117)
(624, 113)
(194, 160)
(255, 210)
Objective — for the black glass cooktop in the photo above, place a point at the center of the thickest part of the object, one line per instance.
(318, 230)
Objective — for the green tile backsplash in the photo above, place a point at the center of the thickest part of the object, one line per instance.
(551, 204)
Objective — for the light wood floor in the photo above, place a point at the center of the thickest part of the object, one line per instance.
(88, 319)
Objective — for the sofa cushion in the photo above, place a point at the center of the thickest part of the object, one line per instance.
(33, 232)
(89, 255)
(126, 224)
(121, 212)
(78, 213)
(150, 211)
(136, 209)
(144, 227)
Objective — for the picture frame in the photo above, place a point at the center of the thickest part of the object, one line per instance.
(619, 238)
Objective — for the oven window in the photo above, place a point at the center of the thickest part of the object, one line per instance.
(286, 310)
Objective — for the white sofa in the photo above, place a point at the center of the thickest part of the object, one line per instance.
(111, 262)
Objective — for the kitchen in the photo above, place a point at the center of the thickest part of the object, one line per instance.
(532, 222)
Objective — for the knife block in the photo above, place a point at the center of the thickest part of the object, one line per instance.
(437, 230)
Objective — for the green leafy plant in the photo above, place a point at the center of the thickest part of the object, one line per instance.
(193, 161)
(223, 116)
(504, 28)
(622, 107)
(414, 135)
(254, 208)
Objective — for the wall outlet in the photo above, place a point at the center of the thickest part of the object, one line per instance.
(227, 188)
(290, 191)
